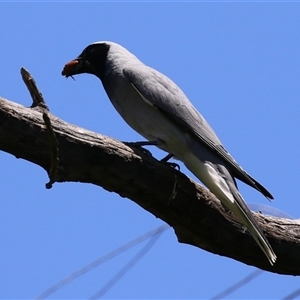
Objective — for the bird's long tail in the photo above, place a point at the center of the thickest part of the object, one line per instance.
(247, 218)
(220, 182)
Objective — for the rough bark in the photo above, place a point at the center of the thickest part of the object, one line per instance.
(195, 214)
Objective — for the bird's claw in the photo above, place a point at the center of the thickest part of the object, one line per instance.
(174, 165)
(140, 145)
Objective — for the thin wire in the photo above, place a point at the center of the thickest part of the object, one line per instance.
(127, 267)
(237, 285)
(100, 261)
(293, 295)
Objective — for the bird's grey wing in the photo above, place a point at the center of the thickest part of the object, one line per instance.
(161, 92)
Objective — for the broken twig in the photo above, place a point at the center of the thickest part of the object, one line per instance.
(40, 104)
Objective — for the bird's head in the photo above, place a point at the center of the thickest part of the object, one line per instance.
(91, 60)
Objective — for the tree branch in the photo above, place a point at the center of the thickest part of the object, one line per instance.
(195, 214)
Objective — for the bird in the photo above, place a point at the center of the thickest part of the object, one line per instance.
(155, 107)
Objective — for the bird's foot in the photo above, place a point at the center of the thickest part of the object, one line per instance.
(141, 144)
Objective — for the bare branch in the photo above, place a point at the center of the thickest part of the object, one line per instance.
(195, 214)
(36, 95)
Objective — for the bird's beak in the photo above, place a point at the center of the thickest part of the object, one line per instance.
(71, 68)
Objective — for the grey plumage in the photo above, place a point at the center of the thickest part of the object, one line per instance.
(154, 106)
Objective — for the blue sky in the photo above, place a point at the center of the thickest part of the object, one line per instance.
(237, 62)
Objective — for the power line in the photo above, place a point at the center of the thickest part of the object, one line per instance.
(101, 260)
(127, 267)
(237, 285)
(155, 234)
(293, 295)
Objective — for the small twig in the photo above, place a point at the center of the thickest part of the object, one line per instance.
(174, 192)
(54, 151)
(40, 104)
(36, 95)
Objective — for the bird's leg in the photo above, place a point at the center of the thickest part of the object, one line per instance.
(165, 160)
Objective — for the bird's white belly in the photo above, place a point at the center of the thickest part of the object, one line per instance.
(210, 177)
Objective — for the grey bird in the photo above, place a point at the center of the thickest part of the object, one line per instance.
(155, 107)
